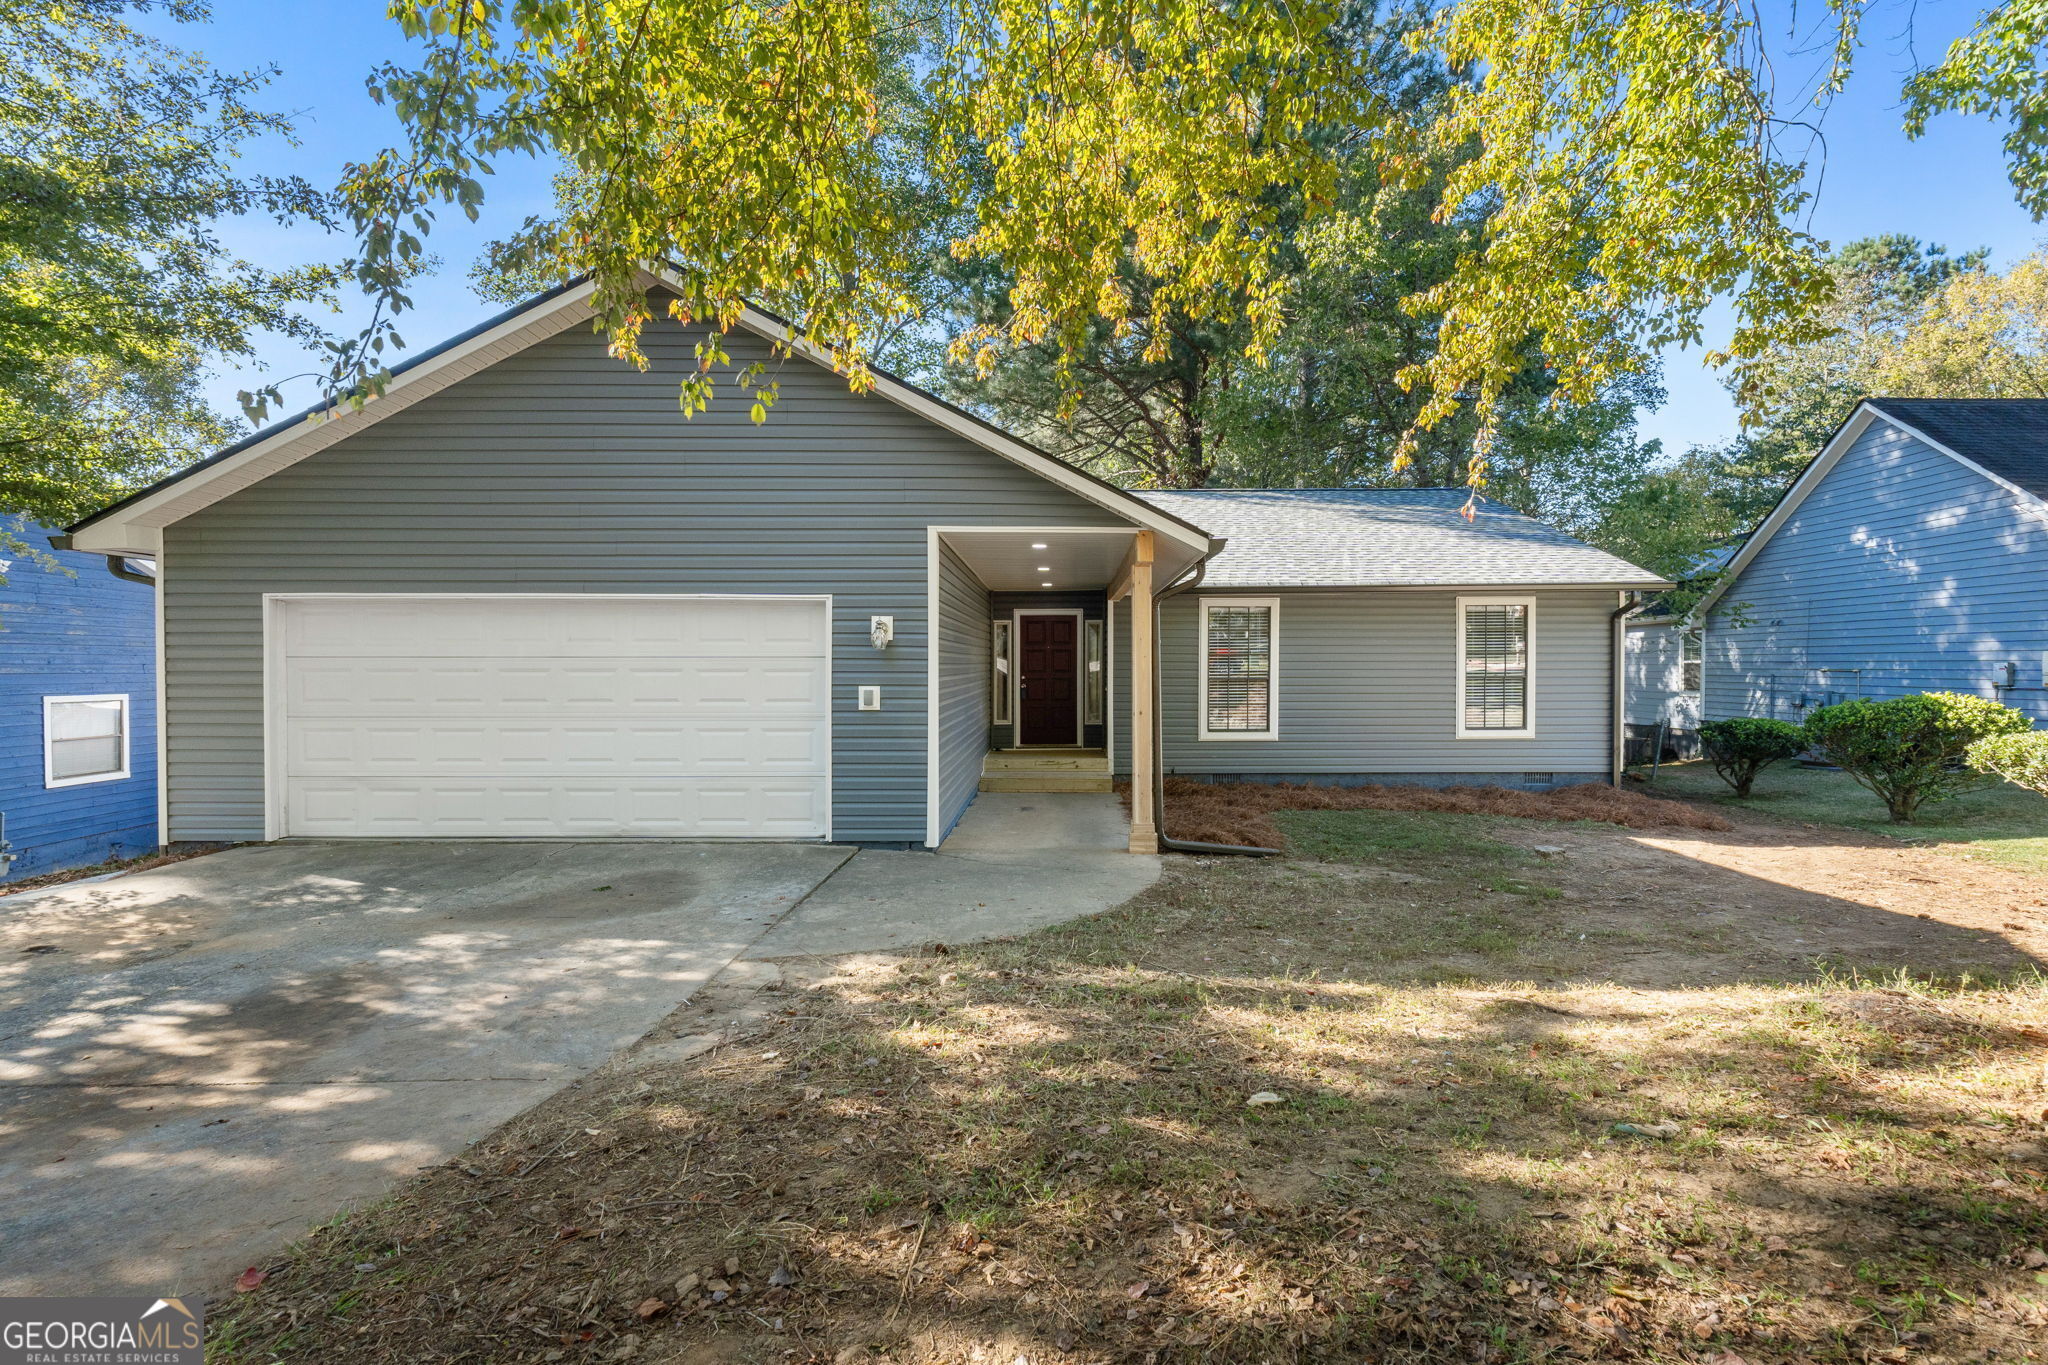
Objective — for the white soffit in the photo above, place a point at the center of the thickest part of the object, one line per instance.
(1072, 560)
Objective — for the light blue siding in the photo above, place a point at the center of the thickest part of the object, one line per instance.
(965, 661)
(1654, 673)
(73, 632)
(560, 469)
(1902, 571)
(1367, 690)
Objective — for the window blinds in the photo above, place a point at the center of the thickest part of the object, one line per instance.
(1497, 667)
(1240, 663)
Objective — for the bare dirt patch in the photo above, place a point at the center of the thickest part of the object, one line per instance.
(1624, 1100)
(1241, 812)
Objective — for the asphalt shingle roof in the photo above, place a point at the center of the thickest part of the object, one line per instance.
(1386, 537)
(2008, 436)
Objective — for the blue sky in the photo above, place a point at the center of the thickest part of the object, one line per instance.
(1948, 187)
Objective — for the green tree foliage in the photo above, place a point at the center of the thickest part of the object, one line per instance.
(1328, 409)
(1910, 750)
(1800, 391)
(1744, 746)
(1134, 164)
(2021, 759)
(1999, 69)
(116, 161)
(1677, 520)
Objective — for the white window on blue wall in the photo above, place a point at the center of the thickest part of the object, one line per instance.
(85, 739)
(1494, 668)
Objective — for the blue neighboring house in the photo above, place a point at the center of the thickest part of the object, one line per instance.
(77, 708)
(1910, 556)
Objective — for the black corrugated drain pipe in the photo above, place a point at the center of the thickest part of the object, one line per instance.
(1194, 579)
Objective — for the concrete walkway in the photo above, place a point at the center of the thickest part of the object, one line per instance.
(200, 1061)
(1014, 863)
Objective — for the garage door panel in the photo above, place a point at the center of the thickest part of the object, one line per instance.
(579, 628)
(423, 748)
(321, 687)
(758, 808)
(567, 717)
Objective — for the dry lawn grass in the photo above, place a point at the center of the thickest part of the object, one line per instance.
(1242, 812)
(1045, 1150)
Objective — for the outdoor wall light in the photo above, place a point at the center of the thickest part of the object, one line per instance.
(882, 630)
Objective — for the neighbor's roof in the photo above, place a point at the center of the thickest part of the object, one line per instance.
(2008, 436)
(1387, 537)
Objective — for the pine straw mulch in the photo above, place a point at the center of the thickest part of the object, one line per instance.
(1048, 1150)
(1241, 812)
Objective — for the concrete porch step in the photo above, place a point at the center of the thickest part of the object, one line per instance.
(1046, 782)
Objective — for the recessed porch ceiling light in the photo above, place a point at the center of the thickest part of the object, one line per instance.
(1045, 568)
(1045, 585)
(1038, 545)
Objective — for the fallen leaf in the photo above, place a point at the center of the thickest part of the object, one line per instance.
(1264, 1097)
(248, 1280)
(650, 1308)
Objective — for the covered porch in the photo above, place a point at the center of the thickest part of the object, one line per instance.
(1024, 686)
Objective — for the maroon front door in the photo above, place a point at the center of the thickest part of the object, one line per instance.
(1048, 680)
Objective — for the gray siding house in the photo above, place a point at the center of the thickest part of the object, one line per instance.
(1910, 556)
(519, 596)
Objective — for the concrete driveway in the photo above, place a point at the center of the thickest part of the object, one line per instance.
(200, 1061)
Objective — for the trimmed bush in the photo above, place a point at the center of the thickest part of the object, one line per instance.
(1909, 750)
(1743, 747)
(2020, 759)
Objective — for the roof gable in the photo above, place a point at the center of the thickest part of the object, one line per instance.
(134, 524)
(1975, 421)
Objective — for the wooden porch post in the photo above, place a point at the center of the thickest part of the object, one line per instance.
(1144, 667)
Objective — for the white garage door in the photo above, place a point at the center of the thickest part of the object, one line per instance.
(551, 717)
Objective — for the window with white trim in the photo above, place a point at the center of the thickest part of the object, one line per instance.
(999, 673)
(1493, 667)
(1240, 670)
(1691, 661)
(85, 739)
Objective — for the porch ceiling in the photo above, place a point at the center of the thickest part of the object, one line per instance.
(1008, 560)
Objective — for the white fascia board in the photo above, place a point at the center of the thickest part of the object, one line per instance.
(1831, 455)
(136, 528)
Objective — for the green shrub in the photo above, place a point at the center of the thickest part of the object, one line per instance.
(1909, 750)
(1743, 747)
(2021, 759)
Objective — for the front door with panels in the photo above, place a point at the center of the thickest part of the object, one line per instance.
(402, 716)
(1048, 678)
